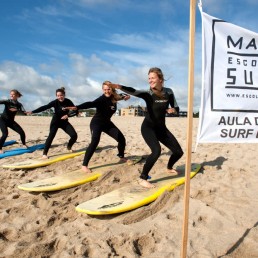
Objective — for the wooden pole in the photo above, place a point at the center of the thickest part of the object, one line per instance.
(189, 127)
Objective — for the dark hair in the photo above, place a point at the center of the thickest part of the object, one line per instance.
(158, 72)
(17, 93)
(62, 90)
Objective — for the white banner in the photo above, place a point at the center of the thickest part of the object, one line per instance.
(229, 103)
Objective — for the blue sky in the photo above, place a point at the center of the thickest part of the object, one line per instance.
(80, 43)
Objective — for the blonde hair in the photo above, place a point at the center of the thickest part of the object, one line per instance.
(159, 73)
(114, 95)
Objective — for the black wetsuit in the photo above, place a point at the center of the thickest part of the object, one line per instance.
(154, 128)
(57, 122)
(7, 120)
(101, 122)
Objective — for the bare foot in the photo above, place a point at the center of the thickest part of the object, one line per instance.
(123, 160)
(44, 157)
(172, 171)
(86, 169)
(70, 149)
(1, 151)
(25, 146)
(145, 183)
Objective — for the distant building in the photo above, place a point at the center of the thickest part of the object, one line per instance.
(88, 112)
(141, 111)
(133, 111)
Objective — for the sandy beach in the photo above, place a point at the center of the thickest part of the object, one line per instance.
(223, 219)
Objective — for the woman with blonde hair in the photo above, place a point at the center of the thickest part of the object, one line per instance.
(106, 106)
(154, 130)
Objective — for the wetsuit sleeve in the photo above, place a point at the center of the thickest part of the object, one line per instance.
(91, 104)
(134, 92)
(43, 108)
(3, 101)
(86, 105)
(172, 101)
(22, 109)
(72, 113)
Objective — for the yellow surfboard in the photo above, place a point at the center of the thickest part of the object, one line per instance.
(73, 178)
(134, 196)
(35, 163)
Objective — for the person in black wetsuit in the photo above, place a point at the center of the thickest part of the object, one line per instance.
(106, 106)
(12, 106)
(153, 128)
(59, 119)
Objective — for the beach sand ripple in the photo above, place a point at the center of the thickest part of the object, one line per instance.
(223, 200)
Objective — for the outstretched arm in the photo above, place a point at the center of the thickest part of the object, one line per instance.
(172, 102)
(129, 90)
(43, 108)
(70, 108)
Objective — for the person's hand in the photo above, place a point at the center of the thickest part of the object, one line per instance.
(171, 111)
(13, 109)
(64, 117)
(28, 113)
(127, 97)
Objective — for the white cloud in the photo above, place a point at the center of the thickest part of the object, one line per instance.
(83, 76)
(125, 60)
(28, 81)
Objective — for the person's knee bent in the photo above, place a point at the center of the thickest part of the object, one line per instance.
(4, 136)
(23, 137)
(3, 139)
(156, 153)
(121, 140)
(94, 141)
(74, 136)
(179, 153)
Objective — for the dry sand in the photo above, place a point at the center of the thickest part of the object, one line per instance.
(223, 219)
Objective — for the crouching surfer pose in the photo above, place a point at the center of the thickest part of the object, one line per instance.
(106, 106)
(153, 129)
(12, 106)
(59, 120)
